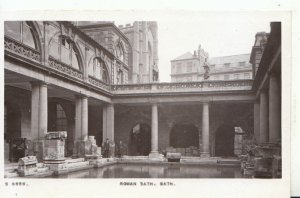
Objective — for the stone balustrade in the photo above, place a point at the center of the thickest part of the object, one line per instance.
(17, 47)
(203, 86)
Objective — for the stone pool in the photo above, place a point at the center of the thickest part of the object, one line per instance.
(157, 171)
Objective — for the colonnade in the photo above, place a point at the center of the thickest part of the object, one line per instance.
(39, 112)
(267, 113)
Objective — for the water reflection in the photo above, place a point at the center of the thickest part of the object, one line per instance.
(157, 171)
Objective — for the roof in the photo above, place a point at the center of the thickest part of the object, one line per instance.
(187, 55)
(229, 59)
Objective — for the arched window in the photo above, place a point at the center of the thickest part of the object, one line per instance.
(98, 70)
(61, 119)
(120, 52)
(20, 31)
(63, 49)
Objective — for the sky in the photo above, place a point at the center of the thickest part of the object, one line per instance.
(219, 34)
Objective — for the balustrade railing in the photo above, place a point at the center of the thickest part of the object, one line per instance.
(21, 49)
(66, 69)
(183, 87)
(98, 83)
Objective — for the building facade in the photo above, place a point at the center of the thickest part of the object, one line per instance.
(144, 41)
(58, 78)
(194, 67)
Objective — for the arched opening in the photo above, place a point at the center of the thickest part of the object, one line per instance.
(21, 31)
(140, 140)
(64, 49)
(224, 140)
(98, 70)
(184, 136)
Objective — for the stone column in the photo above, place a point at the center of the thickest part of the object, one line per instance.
(154, 132)
(104, 123)
(274, 109)
(39, 117)
(110, 124)
(263, 117)
(84, 118)
(81, 124)
(43, 115)
(205, 131)
(256, 122)
(78, 123)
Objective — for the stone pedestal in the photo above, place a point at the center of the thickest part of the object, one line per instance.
(54, 150)
(88, 148)
(238, 144)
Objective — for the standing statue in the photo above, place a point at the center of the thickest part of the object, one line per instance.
(207, 70)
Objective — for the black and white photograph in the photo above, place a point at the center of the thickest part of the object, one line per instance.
(147, 102)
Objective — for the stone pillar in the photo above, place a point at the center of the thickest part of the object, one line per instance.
(205, 131)
(104, 123)
(84, 117)
(256, 122)
(78, 115)
(110, 124)
(81, 124)
(43, 115)
(154, 132)
(274, 109)
(263, 117)
(39, 117)
(109, 127)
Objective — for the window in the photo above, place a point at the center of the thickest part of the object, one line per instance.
(236, 76)
(242, 64)
(98, 70)
(61, 119)
(246, 75)
(212, 67)
(189, 67)
(63, 49)
(216, 77)
(20, 31)
(178, 65)
(226, 77)
(227, 65)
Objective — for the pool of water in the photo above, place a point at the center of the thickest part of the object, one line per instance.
(157, 171)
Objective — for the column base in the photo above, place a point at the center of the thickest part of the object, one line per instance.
(155, 154)
(204, 154)
(38, 149)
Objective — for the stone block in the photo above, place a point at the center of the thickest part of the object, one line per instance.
(173, 156)
(52, 135)
(263, 167)
(27, 166)
(54, 149)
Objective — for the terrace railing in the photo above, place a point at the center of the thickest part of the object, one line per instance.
(184, 87)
